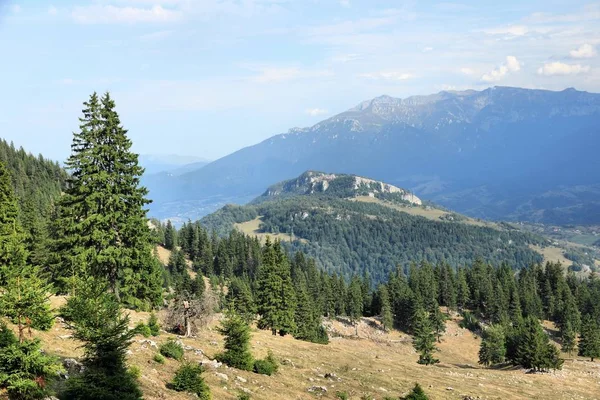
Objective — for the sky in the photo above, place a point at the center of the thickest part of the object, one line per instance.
(208, 77)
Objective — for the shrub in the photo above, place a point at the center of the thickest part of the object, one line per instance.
(172, 349)
(188, 379)
(135, 371)
(416, 394)
(237, 343)
(159, 358)
(154, 325)
(243, 396)
(342, 395)
(142, 329)
(268, 366)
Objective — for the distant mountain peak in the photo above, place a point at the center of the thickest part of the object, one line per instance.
(336, 185)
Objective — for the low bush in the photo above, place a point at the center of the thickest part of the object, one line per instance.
(268, 366)
(188, 379)
(172, 349)
(159, 358)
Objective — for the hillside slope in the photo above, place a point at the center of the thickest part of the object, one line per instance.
(374, 365)
(499, 153)
(370, 227)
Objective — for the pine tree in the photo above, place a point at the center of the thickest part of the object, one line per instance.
(423, 337)
(355, 302)
(25, 300)
(286, 323)
(237, 342)
(102, 225)
(534, 350)
(569, 338)
(416, 394)
(269, 286)
(387, 318)
(276, 299)
(240, 299)
(170, 236)
(96, 319)
(493, 346)
(12, 250)
(25, 370)
(589, 341)
(438, 322)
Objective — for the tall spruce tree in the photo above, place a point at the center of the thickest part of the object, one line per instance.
(12, 250)
(102, 224)
(589, 341)
(493, 346)
(424, 337)
(170, 236)
(387, 318)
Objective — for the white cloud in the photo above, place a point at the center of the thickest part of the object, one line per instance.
(467, 71)
(558, 68)
(584, 51)
(345, 3)
(346, 58)
(315, 112)
(124, 15)
(52, 10)
(16, 8)
(513, 30)
(511, 65)
(427, 49)
(388, 75)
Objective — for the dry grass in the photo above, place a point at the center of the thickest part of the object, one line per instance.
(433, 214)
(252, 228)
(376, 364)
(552, 254)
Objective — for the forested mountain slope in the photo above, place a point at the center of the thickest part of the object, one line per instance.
(37, 183)
(352, 229)
(501, 153)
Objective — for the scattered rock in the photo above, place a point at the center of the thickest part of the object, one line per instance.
(73, 366)
(243, 380)
(64, 337)
(148, 342)
(449, 388)
(212, 364)
(332, 376)
(221, 376)
(213, 343)
(317, 389)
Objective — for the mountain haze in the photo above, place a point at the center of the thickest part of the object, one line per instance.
(500, 153)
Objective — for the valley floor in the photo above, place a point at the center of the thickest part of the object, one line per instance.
(372, 366)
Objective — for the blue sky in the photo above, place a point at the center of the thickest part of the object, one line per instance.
(207, 77)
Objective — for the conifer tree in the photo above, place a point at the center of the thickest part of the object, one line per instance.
(534, 350)
(423, 337)
(240, 299)
(438, 322)
(269, 286)
(237, 342)
(569, 338)
(286, 321)
(589, 341)
(102, 224)
(12, 250)
(25, 370)
(493, 346)
(170, 236)
(355, 302)
(96, 319)
(387, 318)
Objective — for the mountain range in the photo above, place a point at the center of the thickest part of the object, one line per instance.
(500, 153)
